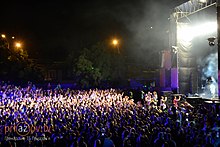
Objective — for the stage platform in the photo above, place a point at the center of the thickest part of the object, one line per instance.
(202, 100)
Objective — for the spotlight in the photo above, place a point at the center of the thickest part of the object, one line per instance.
(211, 41)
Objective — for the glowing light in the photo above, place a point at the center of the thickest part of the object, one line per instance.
(202, 1)
(187, 33)
(18, 44)
(115, 42)
(184, 32)
(3, 36)
(205, 28)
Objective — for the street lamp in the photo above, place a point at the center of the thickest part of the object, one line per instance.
(3, 36)
(116, 44)
(18, 44)
(5, 39)
(18, 47)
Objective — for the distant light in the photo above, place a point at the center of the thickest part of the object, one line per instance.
(115, 42)
(151, 27)
(18, 44)
(13, 37)
(3, 36)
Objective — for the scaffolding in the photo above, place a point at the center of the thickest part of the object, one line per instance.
(183, 14)
(186, 9)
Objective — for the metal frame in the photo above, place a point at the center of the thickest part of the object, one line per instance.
(191, 7)
(183, 11)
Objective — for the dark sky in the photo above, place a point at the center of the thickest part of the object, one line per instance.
(54, 28)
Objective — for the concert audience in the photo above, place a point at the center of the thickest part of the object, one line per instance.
(93, 118)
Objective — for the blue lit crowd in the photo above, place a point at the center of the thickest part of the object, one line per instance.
(96, 118)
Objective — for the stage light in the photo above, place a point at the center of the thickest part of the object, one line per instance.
(186, 32)
(205, 28)
(211, 41)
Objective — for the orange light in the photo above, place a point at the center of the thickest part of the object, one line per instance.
(18, 45)
(115, 42)
(3, 36)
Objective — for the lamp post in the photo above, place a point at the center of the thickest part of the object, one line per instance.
(14, 47)
(117, 60)
(116, 44)
(18, 47)
(5, 39)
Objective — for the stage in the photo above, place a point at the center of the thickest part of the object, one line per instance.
(193, 54)
(198, 101)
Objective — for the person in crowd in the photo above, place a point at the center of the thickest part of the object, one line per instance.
(104, 140)
(154, 99)
(176, 100)
(159, 141)
(163, 101)
(169, 140)
(148, 98)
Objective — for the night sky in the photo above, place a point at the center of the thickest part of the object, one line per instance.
(51, 30)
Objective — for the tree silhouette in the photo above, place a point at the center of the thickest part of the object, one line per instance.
(98, 66)
(15, 64)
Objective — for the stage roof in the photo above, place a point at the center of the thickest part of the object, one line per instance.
(188, 8)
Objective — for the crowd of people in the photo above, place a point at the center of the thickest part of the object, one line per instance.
(95, 118)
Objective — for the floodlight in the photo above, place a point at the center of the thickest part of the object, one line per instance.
(187, 33)
(211, 41)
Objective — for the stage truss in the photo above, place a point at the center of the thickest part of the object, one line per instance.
(182, 13)
(193, 6)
